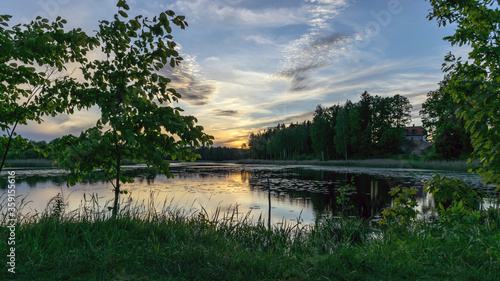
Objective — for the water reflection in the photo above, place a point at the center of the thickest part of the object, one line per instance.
(305, 191)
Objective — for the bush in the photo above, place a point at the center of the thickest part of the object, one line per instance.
(402, 212)
(458, 202)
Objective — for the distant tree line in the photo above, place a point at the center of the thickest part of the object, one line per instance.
(372, 127)
(222, 153)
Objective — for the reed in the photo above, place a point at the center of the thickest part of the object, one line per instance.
(440, 165)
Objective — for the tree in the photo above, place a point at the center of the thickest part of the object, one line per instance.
(449, 140)
(319, 129)
(341, 132)
(366, 124)
(32, 65)
(137, 120)
(400, 111)
(355, 132)
(447, 130)
(390, 140)
(381, 120)
(390, 115)
(323, 130)
(475, 82)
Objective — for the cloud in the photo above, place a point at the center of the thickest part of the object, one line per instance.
(316, 49)
(225, 15)
(323, 11)
(260, 40)
(187, 80)
(274, 121)
(221, 112)
(316, 54)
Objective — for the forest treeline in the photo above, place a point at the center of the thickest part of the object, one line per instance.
(371, 127)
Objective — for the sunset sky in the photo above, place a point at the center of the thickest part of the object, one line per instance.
(251, 64)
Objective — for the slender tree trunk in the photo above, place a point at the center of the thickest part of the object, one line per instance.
(8, 146)
(117, 186)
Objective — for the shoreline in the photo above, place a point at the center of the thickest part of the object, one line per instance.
(441, 165)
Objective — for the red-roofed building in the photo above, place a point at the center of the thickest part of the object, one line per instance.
(415, 133)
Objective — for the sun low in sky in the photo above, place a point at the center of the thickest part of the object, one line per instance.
(251, 64)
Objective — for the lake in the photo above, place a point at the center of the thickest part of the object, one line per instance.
(298, 192)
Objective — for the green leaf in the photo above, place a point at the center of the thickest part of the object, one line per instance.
(121, 4)
(123, 14)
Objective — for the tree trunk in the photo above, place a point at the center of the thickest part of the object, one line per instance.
(117, 186)
(8, 146)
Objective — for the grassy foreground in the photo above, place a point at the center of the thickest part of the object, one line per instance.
(141, 244)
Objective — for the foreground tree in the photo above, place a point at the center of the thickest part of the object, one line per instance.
(475, 82)
(128, 89)
(33, 78)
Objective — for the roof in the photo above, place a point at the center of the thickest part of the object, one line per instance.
(415, 131)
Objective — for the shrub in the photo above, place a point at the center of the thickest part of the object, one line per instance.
(402, 212)
(458, 202)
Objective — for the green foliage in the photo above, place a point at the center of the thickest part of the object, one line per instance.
(137, 122)
(341, 133)
(474, 82)
(447, 191)
(323, 130)
(458, 214)
(17, 145)
(222, 153)
(390, 141)
(447, 130)
(371, 127)
(343, 197)
(451, 140)
(458, 203)
(33, 78)
(281, 142)
(402, 212)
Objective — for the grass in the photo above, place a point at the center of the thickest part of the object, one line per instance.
(449, 165)
(143, 243)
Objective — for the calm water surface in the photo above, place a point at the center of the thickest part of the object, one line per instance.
(297, 192)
